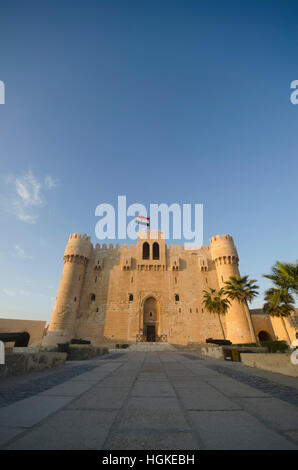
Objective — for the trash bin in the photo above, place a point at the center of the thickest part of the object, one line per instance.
(236, 355)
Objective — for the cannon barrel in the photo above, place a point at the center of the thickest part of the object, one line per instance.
(21, 340)
(220, 342)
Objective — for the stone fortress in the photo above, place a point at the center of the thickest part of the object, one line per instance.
(149, 292)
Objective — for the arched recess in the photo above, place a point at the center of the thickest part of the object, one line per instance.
(151, 319)
(264, 336)
(146, 250)
(155, 250)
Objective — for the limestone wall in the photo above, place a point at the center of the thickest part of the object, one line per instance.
(262, 323)
(104, 291)
(17, 363)
(35, 328)
(280, 363)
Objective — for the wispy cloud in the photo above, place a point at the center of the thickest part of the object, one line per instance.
(20, 253)
(50, 183)
(9, 292)
(21, 292)
(27, 195)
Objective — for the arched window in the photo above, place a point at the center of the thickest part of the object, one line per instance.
(176, 298)
(130, 297)
(92, 297)
(155, 250)
(146, 250)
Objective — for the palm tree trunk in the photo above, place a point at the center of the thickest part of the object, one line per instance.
(250, 324)
(284, 324)
(222, 328)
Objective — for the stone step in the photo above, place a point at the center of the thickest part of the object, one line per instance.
(146, 346)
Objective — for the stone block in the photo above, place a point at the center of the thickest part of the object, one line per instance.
(22, 362)
(274, 362)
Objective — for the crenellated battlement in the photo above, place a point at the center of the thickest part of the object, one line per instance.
(79, 236)
(223, 250)
(119, 293)
(78, 246)
(221, 238)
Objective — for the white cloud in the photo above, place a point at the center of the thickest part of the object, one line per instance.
(20, 292)
(27, 196)
(19, 253)
(9, 292)
(50, 183)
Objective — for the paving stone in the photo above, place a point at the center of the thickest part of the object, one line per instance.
(101, 398)
(277, 390)
(7, 433)
(68, 389)
(118, 382)
(156, 413)
(188, 382)
(292, 435)
(28, 412)
(156, 389)
(140, 401)
(282, 415)
(140, 440)
(234, 388)
(204, 397)
(175, 372)
(33, 384)
(146, 376)
(236, 430)
(68, 430)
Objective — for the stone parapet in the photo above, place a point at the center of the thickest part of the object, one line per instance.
(274, 362)
(19, 362)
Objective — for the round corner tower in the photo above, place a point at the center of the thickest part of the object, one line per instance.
(225, 257)
(76, 256)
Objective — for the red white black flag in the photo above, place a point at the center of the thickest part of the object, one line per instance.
(142, 220)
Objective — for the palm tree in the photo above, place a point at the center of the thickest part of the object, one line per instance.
(215, 302)
(279, 300)
(285, 276)
(242, 290)
(279, 303)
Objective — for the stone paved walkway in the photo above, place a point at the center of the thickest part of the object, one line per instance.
(149, 400)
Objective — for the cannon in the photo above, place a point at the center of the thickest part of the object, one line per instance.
(79, 341)
(20, 340)
(219, 342)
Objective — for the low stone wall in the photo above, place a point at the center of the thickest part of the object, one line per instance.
(275, 362)
(217, 352)
(22, 360)
(211, 351)
(82, 352)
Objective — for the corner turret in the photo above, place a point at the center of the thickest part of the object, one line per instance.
(76, 256)
(225, 257)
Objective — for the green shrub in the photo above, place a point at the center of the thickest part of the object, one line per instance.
(275, 346)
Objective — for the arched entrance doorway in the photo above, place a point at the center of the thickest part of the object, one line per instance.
(151, 319)
(264, 336)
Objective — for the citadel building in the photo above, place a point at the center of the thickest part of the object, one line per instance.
(147, 292)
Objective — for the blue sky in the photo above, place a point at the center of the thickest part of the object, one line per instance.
(161, 101)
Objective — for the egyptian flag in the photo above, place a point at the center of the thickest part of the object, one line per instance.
(142, 220)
